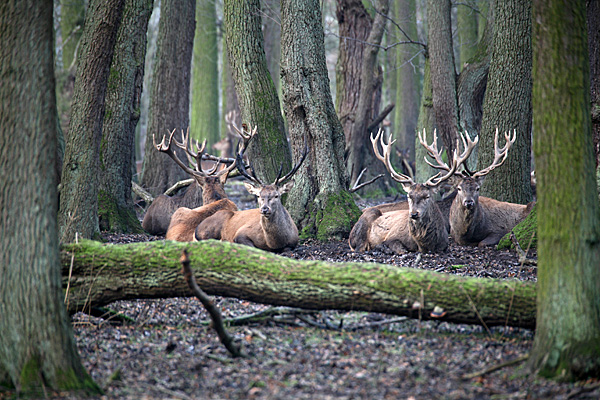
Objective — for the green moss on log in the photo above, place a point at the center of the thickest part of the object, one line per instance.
(525, 232)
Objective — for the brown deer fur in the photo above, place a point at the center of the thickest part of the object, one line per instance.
(157, 217)
(268, 227)
(481, 221)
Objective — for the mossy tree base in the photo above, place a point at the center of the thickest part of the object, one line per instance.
(102, 274)
(525, 231)
(114, 218)
(331, 217)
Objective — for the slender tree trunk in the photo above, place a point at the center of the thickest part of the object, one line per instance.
(407, 79)
(319, 201)
(271, 21)
(467, 32)
(425, 122)
(78, 212)
(256, 93)
(105, 273)
(169, 99)
(72, 17)
(593, 19)
(205, 76)
(115, 205)
(37, 350)
(443, 75)
(229, 104)
(567, 339)
(507, 104)
(359, 80)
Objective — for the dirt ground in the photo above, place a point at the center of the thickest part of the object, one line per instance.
(168, 350)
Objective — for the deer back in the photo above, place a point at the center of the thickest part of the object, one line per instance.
(184, 221)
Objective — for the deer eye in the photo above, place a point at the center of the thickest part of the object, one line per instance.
(459, 189)
(477, 188)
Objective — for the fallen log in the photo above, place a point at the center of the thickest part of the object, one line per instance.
(97, 274)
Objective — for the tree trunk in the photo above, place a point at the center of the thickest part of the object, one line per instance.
(229, 103)
(466, 23)
(256, 93)
(425, 122)
(319, 201)
(72, 17)
(37, 350)
(205, 76)
(507, 104)
(593, 20)
(271, 22)
(169, 99)
(359, 80)
(115, 205)
(105, 273)
(566, 344)
(443, 74)
(407, 79)
(79, 194)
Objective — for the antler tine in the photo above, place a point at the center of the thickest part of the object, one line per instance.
(289, 175)
(500, 154)
(239, 158)
(162, 146)
(165, 147)
(433, 151)
(469, 146)
(387, 147)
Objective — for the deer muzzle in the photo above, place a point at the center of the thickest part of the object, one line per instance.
(415, 215)
(266, 211)
(469, 203)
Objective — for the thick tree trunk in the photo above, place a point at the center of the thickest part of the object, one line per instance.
(38, 354)
(443, 74)
(425, 122)
(105, 273)
(205, 76)
(78, 212)
(507, 104)
(115, 204)
(359, 79)
(256, 92)
(567, 339)
(319, 201)
(593, 20)
(170, 100)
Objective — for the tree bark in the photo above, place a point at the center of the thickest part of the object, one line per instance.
(359, 81)
(443, 74)
(205, 76)
(466, 21)
(593, 20)
(271, 21)
(507, 104)
(78, 212)
(256, 93)
(425, 122)
(115, 204)
(105, 273)
(169, 99)
(319, 202)
(566, 344)
(38, 354)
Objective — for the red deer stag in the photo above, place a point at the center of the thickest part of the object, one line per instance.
(268, 227)
(158, 216)
(422, 227)
(483, 221)
(185, 220)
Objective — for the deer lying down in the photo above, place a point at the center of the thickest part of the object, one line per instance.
(422, 227)
(268, 227)
(483, 221)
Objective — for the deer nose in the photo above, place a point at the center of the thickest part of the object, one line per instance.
(469, 203)
(265, 210)
(414, 215)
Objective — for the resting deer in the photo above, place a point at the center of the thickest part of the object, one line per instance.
(184, 220)
(483, 221)
(206, 188)
(268, 227)
(422, 227)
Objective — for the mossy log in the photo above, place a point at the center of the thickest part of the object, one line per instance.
(97, 274)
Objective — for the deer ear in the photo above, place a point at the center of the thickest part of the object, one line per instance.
(287, 187)
(480, 179)
(252, 189)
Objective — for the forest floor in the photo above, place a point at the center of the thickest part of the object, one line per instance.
(168, 350)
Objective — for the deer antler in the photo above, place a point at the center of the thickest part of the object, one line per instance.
(436, 154)
(385, 158)
(500, 154)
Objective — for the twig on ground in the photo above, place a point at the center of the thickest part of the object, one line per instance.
(212, 310)
(523, 260)
(585, 389)
(496, 367)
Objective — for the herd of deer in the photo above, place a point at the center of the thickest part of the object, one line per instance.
(419, 224)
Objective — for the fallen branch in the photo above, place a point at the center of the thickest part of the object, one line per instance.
(496, 367)
(212, 310)
(143, 194)
(523, 259)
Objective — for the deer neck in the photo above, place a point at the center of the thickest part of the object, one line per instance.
(279, 229)
(429, 231)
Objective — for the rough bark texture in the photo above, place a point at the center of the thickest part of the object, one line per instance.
(169, 96)
(104, 273)
(593, 20)
(37, 350)
(567, 340)
(205, 75)
(507, 104)
(271, 21)
(319, 202)
(407, 79)
(425, 122)
(256, 92)
(358, 81)
(115, 204)
(443, 75)
(79, 194)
